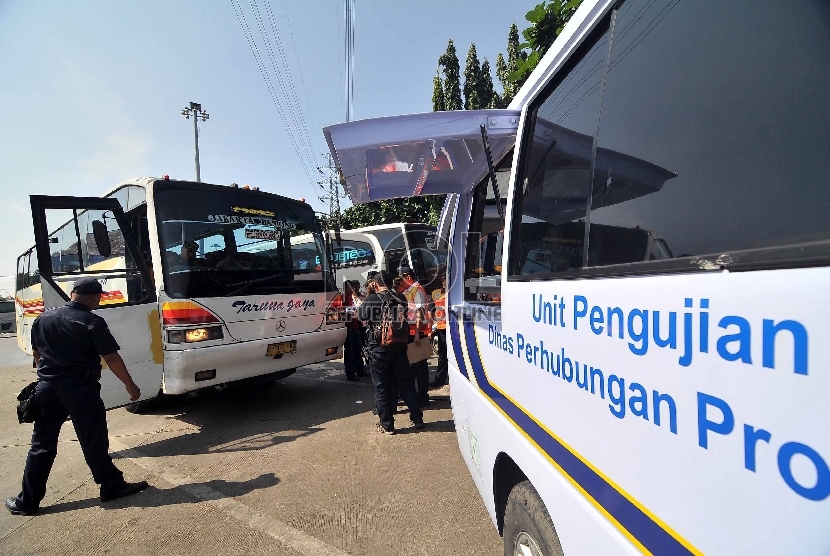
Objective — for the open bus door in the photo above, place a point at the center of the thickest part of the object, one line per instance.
(79, 237)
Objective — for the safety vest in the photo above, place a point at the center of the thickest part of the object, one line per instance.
(416, 298)
(441, 312)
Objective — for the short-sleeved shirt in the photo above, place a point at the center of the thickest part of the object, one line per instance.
(70, 340)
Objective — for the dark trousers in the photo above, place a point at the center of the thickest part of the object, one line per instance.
(353, 353)
(391, 374)
(442, 372)
(420, 371)
(80, 399)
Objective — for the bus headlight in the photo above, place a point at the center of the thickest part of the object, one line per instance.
(195, 335)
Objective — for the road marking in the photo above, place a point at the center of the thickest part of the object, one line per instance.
(286, 534)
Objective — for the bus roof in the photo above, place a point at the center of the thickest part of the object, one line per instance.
(150, 182)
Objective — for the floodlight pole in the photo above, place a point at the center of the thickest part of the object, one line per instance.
(196, 110)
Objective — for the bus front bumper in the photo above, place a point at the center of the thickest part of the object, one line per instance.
(242, 360)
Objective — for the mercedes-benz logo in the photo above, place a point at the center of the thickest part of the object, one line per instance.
(281, 326)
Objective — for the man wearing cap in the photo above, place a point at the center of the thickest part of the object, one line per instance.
(68, 343)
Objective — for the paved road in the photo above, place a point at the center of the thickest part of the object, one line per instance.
(291, 469)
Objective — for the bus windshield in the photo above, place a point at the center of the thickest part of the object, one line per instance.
(236, 241)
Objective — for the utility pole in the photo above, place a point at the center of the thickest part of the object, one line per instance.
(349, 45)
(195, 109)
(331, 183)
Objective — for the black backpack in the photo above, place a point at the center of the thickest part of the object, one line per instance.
(393, 328)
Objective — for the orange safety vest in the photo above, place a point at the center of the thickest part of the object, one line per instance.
(441, 312)
(412, 294)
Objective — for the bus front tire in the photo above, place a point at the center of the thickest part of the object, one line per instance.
(528, 528)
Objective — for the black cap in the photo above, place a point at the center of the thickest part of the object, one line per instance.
(404, 270)
(87, 286)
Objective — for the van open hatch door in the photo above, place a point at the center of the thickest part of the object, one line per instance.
(418, 154)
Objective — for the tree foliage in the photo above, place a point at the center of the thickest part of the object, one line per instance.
(452, 78)
(411, 209)
(505, 69)
(472, 78)
(547, 20)
(486, 93)
(438, 104)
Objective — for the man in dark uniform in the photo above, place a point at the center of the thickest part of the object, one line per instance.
(388, 364)
(68, 343)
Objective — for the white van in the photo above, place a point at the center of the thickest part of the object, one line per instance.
(607, 401)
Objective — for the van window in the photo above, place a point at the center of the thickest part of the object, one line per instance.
(485, 238)
(734, 116)
(552, 192)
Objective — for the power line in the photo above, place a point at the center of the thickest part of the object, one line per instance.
(240, 16)
(304, 134)
(295, 126)
(299, 68)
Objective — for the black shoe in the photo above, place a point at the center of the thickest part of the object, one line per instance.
(419, 424)
(11, 505)
(383, 430)
(351, 377)
(125, 490)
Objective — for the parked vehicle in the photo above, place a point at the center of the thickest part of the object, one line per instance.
(638, 287)
(8, 320)
(201, 283)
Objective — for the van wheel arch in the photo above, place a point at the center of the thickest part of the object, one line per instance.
(506, 475)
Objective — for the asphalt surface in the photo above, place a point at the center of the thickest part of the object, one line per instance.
(294, 468)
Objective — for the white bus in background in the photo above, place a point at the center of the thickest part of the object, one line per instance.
(202, 289)
(646, 371)
(388, 247)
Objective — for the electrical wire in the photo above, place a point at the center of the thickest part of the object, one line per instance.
(298, 110)
(243, 23)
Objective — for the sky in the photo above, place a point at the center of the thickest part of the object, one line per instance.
(91, 92)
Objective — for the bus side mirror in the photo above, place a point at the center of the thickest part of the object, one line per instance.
(102, 238)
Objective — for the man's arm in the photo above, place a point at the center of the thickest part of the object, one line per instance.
(119, 369)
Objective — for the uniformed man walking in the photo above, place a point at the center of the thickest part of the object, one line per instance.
(68, 343)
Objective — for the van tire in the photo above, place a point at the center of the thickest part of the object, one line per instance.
(527, 523)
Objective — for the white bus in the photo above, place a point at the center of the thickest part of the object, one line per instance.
(388, 247)
(202, 289)
(647, 371)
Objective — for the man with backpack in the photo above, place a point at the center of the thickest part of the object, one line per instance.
(385, 312)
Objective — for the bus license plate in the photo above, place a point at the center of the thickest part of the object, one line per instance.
(281, 348)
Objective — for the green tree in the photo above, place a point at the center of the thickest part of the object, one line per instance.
(452, 78)
(390, 211)
(504, 69)
(486, 93)
(438, 104)
(472, 77)
(547, 21)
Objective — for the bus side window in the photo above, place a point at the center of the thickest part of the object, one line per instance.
(552, 189)
(485, 239)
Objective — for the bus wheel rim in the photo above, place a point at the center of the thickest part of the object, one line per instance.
(526, 545)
